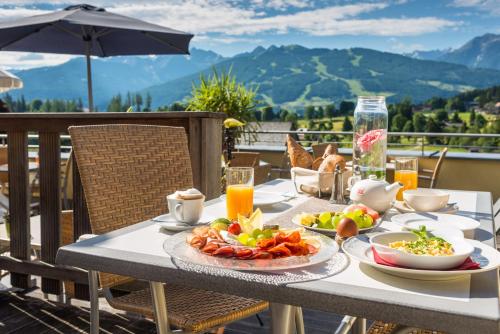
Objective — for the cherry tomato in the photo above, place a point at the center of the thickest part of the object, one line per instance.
(234, 228)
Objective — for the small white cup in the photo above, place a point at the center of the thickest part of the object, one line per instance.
(423, 199)
(185, 210)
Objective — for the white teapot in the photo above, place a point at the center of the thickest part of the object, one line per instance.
(376, 194)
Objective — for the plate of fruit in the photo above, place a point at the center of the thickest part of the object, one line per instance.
(329, 222)
(248, 244)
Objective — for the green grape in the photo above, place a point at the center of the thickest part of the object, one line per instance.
(256, 232)
(268, 233)
(336, 219)
(243, 238)
(251, 242)
(324, 218)
(260, 237)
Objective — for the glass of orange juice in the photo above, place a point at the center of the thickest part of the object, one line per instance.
(407, 173)
(239, 192)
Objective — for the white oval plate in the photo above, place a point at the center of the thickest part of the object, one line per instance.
(359, 248)
(403, 208)
(332, 233)
(433, 221)
(262, 198)
(177, 247)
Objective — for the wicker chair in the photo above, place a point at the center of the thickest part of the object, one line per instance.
(432, 174)
(379, 327)
(126, 172)
(252, 159)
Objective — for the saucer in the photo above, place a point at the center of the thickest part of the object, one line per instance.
(169, 223)
(403, 208)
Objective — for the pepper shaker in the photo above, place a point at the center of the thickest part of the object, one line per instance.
(338, 187)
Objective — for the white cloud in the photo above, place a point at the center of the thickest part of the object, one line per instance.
(23, 60)
(238, 21)
(401, 47)
(489, 6)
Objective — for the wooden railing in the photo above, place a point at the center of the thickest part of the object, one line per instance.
(205, 138)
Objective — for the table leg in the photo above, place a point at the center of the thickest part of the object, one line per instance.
(94, 302)
(359, 326)
(159, 307)
(282, 318)
(299, 320)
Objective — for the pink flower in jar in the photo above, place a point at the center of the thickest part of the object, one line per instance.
(366, 141)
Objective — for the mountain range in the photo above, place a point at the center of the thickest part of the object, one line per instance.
(291, 76)
(480, 52)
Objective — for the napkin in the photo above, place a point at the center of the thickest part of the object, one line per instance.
(468, 264)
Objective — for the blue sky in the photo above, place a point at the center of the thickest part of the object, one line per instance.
(233, 26)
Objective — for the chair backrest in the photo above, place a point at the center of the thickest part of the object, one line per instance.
(127, 171)
(437, 169)
(245, 159)
(319, 149)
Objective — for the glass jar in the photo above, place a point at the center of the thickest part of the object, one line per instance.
(370, 137)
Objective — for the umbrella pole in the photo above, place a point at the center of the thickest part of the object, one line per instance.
(89, 78)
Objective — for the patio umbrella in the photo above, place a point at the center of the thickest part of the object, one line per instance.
(9, 81)
(90, 31)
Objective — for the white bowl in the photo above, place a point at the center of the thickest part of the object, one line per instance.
(423, 199)
(462, 250)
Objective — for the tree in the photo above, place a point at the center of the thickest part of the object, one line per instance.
(346, 107)
(432, 126)
(80, 104)
(321, 112)
(267, 114)
(472, 118)
(36, 104)
(408, 127)
(149, 101)
(177, 106)
(138, 102)
(347, 124)
(329, 111)
(442, 116)
(456, 118)
(116, 104)
(480, 121)
(455, 104)
(291, 117)
(282, 114)
(437, 102)
(405, 108)
(222, 93)
(310, 112)
(398, 122)
(419, 122)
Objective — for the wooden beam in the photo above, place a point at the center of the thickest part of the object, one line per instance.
(50, 204)
(211, 153)
(19, 207)
(43, 269)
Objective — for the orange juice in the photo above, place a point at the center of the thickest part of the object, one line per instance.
(409, 179)
(239, 200)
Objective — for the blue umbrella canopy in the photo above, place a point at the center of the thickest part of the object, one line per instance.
(90, 31)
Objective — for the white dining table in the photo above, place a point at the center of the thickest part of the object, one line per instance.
(469, 304)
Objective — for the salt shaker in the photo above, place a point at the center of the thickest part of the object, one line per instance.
(338, 187)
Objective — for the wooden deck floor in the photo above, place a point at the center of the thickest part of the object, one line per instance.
(31, 313)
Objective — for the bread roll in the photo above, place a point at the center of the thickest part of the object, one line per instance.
(317, 163)
(330, 150)
(299, 157)
(330, 163)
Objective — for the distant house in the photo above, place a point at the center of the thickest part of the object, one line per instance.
(497, 108)
(269, 139)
